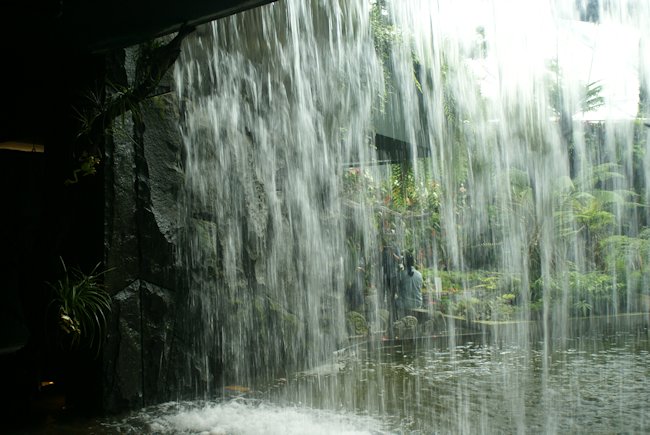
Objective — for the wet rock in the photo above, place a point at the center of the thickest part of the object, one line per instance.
(143, 177)
(406, 327)
(356, 323)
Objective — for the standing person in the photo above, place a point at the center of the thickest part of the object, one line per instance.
(410, 287)
(390, 269)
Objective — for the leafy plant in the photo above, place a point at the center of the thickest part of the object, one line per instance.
(358, 185)
(99, 108)
(384, 35)
(591, 293)
(588, 99)
(82, 306)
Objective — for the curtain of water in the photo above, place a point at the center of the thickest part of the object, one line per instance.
(275, 101)
(539, 170)
(528, 165)
(503, 103)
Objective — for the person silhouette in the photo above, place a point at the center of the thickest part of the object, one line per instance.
(391, 261)
(409, 294)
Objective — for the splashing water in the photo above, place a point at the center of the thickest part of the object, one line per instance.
(243, 418)
(523, 158)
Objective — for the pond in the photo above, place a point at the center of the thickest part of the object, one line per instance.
(595, 383)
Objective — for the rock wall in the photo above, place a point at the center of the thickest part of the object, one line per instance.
(143, 176)
(255, 249)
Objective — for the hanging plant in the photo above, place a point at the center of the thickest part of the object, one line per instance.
(101, 108)
(82, 306)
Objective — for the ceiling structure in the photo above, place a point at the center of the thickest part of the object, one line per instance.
(49, 49)
(53, 51)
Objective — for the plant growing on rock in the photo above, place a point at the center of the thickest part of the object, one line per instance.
(82, 306)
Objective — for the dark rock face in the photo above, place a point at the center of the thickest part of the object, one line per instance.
(143, 177)
(123, 352)
(150, 355)
(139, 346)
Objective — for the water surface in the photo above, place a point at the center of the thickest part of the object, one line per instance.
(596, 383)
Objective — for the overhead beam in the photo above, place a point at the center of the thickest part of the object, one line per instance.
(51, 51)
(107, 24)
(100, 25)
(391, 150)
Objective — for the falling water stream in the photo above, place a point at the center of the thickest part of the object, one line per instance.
(523, 114)
(273, 107)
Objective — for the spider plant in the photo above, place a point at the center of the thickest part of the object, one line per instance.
(83, 306)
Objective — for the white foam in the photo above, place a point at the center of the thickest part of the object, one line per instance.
(246, 418)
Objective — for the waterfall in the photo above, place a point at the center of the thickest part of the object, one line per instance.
(273, 109)
(519, 182)
(528, 110)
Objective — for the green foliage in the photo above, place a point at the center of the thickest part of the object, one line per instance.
(627, 258)
(449, 103)
(479, 294)
(624, 252)
(384, 34)
(586, 209)
(82, 306)
(589, 98)
(501, 308)
(485, 280)
(358, 185)
(589, 207)
(95, 115)
(470, 308)
(585, 293)
(404, 194)
(403, 191)
(415, 199)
